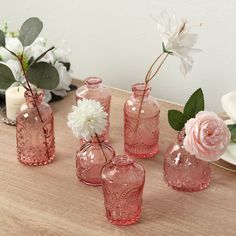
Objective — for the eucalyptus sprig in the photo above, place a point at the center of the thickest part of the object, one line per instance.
(42, 75)
(195, 104)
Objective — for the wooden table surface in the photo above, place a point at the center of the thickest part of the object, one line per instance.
(50, 200)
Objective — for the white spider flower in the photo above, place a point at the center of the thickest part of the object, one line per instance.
(88, 119)
(177, 40)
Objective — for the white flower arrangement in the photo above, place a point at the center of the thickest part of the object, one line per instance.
(88, 119)
(57, 57)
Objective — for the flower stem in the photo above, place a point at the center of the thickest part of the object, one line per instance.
(100, 145)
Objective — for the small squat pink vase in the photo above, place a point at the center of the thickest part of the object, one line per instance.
(35, 131)
(94, 89)
(183, 171)
(90, 160)
(123, 182)
(141, 132)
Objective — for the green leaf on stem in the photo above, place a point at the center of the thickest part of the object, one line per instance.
(30, 30)
(2, 39)
(6, 77)
(176, 119)
(194, 104)
(43, 75)
(232, 129)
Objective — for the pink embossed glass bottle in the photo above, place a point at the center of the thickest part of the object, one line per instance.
(123, 182)
(141, 132)
(90, 160)
(35, 131)
(93, 89)
(185, 172)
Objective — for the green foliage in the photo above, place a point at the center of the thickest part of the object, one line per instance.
(194, 105)
(176, 119)
(232, 129)
(43, 75)
(2, 39)
(30, 30)
(6, 77)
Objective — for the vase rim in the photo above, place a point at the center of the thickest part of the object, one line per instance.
(138, 87)
(91, 81)
(122, 160)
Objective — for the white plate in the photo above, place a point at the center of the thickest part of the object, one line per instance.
(230, 153)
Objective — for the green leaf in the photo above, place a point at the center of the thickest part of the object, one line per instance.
(232, 129)
(176, 119)
(194, 104)
(30, 30)
(2, 39)
(43, 75)
(6, 77)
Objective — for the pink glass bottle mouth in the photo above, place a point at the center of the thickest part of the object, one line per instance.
(141, 87)
(36, 97)
(93, 81)
(122, 160)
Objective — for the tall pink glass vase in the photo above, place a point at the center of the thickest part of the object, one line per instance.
(123, 182)
(141, 132)
(93, 89)
(35, 131)
(90, 160)
(185, 172)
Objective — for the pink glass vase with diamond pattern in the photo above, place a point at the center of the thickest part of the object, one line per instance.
(123, 182)
(141, 132)
(183, 171)
(34, 138)
(94, 89)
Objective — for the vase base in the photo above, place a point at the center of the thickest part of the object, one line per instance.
(36, 163)
(90, 183)
(124, 222)
(142, 155)
(186, 188)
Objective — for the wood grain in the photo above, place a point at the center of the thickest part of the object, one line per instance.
(50, 200)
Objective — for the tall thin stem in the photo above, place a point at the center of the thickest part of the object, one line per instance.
(100, 145)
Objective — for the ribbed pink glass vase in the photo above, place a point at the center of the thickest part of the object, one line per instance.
(123, 182)
(90, 160)
(93, 89)
(185, 172)
(35, 131)
(141, 132)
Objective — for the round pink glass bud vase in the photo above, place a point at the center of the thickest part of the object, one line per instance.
(93, 89)
(90, 160)
(141, 132)
(123, 182)
(183, 171)
(35, 131)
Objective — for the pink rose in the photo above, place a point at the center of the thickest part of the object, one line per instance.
(207, 136)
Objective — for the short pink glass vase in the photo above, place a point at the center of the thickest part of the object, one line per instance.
(141, 132)
(183, 171)
(123, 182)
(94, 89)
(35, 131)
(90, 160)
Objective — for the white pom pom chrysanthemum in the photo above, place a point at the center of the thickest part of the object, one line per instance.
(87, 119)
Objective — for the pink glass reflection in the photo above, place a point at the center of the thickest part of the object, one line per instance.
(183, 171)
(123, 182)
(141, 138)
(34, 139)
(93, 89)
(90, 160)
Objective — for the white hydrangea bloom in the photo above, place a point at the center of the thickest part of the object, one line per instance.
(87, 119)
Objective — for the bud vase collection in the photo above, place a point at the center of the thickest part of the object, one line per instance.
(202, 135)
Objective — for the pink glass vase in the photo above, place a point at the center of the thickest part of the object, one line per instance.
(123, 182)
(35, 131)
(141, 132)
(93, 89)
(183, 171)
(90, 160)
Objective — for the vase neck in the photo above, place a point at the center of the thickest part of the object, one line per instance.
(34, 99)
(141, 89)
(93, 82)
(180, 137)
(122, 160)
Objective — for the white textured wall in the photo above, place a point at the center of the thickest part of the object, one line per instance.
(117, 40)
